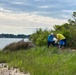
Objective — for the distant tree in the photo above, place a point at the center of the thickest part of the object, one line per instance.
(73, 22)
(74, 16)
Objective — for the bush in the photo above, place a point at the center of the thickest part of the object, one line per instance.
(19, 45)
(69, 31)
(40, 37)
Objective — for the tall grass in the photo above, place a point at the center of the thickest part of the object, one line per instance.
(41, 61)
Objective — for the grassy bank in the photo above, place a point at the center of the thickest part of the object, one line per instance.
(41, 61)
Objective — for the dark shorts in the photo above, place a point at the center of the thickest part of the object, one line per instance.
(49, 43)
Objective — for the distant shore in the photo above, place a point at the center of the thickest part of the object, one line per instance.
(14, 36)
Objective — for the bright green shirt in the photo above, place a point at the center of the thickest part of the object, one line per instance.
(60, 37)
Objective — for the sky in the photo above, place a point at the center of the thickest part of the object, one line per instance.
(25, 16)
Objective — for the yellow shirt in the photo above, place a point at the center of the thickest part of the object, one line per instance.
(60, 37)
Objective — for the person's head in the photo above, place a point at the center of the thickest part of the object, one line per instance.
(55, 35)
(52, 34)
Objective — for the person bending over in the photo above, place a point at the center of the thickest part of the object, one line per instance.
(50, 40)
(61, 39)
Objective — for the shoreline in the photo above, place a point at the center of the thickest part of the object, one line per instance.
(4, 70)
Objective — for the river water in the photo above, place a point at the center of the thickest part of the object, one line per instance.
(6, 41)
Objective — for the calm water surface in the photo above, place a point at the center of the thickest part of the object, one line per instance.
(6, 41)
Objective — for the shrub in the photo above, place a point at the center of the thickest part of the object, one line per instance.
(40, 37)
(18, 45)
(69, 31)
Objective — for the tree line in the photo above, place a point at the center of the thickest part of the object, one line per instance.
(13, 36)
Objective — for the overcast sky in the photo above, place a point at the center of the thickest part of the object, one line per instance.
(25, 16)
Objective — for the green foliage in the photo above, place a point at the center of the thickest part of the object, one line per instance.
(69, 31)
(40, 37)
(41, 61)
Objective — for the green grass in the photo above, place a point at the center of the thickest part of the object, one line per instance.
(41, 61)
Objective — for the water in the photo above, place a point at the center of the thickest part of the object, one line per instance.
(6, 41)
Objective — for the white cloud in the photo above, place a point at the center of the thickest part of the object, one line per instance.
(16, 30)
(37, 0)
(48, 6)
(17, 2)
(25, 22)
(44, 6)
(68, 11)
(4, 10)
